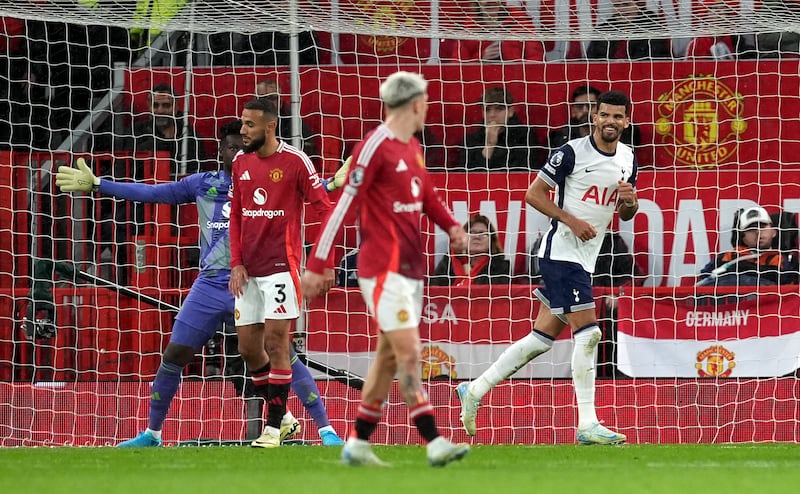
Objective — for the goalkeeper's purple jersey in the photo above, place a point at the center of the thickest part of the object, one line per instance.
(209, 191)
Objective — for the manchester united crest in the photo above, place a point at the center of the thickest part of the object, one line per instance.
(276, 175)
(437, 363)
(715, 361)
(700, 120)
(391, 13)
(402, 315)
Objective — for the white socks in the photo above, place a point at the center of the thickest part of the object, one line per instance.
(584, 356)
(326, 428)
(155, 434)
(510, 361)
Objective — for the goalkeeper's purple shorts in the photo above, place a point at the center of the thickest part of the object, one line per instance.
(208, 304)
(567, 287)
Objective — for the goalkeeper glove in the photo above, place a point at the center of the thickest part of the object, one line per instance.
(79, 179)
(340, 177)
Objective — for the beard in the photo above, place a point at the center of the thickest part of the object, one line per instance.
(609, 140)
(254, 145)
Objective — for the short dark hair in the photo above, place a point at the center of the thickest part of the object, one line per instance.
(265, 105)
(232, 128)
(615, 98)
(163, 87)
(581, 90)
(497, 96)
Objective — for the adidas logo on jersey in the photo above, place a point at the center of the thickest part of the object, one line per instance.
(280, 310)
(245, 175)
(401, 166)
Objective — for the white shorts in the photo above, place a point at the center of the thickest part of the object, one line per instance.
(268, 297)
(395, 301)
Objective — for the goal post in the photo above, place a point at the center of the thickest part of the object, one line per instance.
(678, 363)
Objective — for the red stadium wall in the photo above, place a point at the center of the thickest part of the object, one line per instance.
(515, 412)
(746, 116)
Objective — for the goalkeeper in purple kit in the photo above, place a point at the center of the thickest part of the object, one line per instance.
(209, 301)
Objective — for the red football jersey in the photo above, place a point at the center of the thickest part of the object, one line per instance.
(267, 197)
(388, 188)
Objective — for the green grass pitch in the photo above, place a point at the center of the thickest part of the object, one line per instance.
(683, 469)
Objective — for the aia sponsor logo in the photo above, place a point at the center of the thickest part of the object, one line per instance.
(603, 197)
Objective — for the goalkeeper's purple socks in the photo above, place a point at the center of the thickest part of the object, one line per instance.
(306, 389)
(168, 378)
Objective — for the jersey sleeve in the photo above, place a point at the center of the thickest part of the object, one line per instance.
(635, 172)
(181, 192)
(313, 190)
(235, 219)
(558, 166)
(436, 209)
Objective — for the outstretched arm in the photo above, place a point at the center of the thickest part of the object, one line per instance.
(81, 179)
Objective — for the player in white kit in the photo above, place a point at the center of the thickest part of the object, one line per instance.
(593, 176)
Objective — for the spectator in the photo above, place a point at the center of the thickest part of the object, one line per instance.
(493, 16)
(502, 142)
(629, 15)
(582, 106)
(164, 130)
(38, 113)
(268, 88)
(483, 263)
(756, 258)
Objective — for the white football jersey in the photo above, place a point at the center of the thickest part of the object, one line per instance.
(585, 181)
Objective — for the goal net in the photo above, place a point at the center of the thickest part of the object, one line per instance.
(90, 284)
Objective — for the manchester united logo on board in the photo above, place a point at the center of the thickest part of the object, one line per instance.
(393, 14)
(276, 175)
(383, 45)
(436, 362)
(715, 361)
(700, 121)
